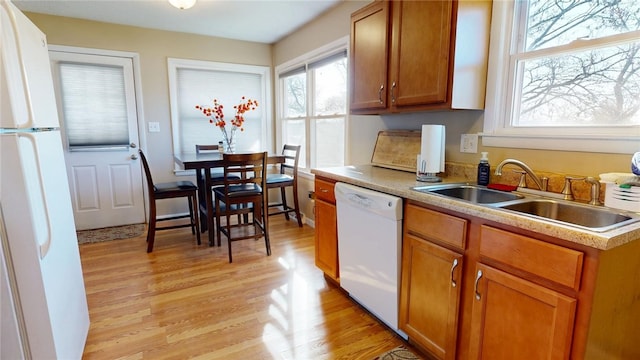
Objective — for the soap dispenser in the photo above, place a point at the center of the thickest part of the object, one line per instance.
(484, 170)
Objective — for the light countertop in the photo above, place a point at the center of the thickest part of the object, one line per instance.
(399, 183)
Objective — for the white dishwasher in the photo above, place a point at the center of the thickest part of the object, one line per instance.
(369, 249)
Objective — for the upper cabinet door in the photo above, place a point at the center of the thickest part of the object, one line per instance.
(368, 57)
(420, 52)
(404, 56)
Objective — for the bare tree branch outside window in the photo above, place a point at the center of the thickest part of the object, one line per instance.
(587, 86)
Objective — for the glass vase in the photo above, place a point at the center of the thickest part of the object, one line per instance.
(230, 146)
(229, 141)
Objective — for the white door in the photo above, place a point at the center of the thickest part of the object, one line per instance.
(97, 104)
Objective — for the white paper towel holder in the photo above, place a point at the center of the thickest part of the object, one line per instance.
(430, 160)
(422, 175)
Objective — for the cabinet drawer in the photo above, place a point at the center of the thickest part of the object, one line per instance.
(552, 262)
(324, 191)
(436, 226)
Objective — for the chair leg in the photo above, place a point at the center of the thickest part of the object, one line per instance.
(193, 231)
(151, 231)
(265, 227)
(296, 206)
(285, 207)
(228, 227)
(195, 221)
(217, 212)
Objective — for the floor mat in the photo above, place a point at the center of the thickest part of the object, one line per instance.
(399, 353)
(110, 233)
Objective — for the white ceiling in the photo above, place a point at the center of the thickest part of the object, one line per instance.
(265, 21)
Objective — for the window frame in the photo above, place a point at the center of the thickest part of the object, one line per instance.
(173, 64)
(500, 96)
(318, 54)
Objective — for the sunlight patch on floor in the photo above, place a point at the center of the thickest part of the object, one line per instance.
(291, 315)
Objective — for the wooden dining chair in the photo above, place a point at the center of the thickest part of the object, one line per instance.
(282, 180)
(217, 179)
(169, 190)
(246, 195)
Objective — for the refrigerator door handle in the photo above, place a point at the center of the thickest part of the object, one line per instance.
(44, 246)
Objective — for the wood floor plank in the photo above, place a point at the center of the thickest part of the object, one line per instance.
(186, 301)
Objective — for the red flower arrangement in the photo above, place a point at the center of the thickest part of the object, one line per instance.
(216, 117)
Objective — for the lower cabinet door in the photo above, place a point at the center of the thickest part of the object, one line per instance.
(327, 239)
(513, 318)
(430, 295)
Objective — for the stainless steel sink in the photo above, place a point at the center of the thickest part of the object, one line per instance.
(471, 193)
(589, 217)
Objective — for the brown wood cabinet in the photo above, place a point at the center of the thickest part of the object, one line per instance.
(403, 56)
(326, 241)
(514, 318)
(431, 279)
(532, 319)
(517, 293)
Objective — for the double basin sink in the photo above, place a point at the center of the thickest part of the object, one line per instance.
(592, 218)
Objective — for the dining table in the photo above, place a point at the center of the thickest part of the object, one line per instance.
(202, 163)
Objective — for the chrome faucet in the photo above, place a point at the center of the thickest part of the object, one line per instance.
(542, 183)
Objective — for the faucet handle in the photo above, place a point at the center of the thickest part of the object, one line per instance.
(566, 191)
(523, 178)
(595, 190)
(545, 183)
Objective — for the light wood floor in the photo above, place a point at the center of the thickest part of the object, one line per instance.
(187, 301)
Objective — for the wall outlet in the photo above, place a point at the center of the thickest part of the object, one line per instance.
(154, 126)
(469, 143)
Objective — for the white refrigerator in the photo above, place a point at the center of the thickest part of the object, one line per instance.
(43, 304)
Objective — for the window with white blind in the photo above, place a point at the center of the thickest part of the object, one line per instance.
(312, 102)
(194, 83)
(94, 94)
(564, 75)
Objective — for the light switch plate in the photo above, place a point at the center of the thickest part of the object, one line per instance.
(154, 126)
(469, 143)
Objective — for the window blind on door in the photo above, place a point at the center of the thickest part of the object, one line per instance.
(94, 105)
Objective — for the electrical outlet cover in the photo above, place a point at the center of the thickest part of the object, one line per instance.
(469, 143)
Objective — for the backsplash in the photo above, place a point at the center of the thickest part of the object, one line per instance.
(581, 189)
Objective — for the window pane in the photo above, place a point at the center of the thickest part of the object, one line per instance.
(295, 95)
(589, 88)
(293, 132)
(200, 87)
(329, 142)
(330, 88)
(553, 23)
(94, 105)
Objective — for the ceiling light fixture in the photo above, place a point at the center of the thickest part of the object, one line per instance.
(182, 4)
